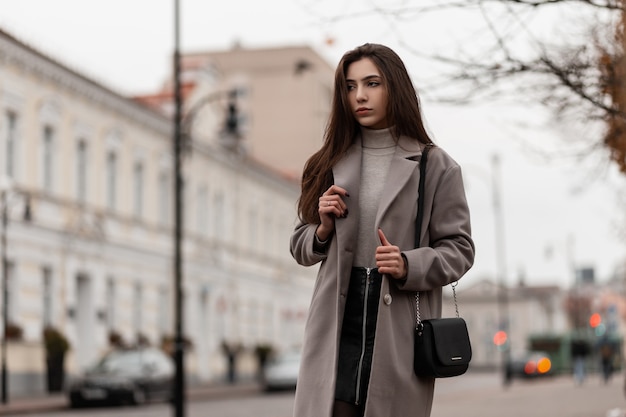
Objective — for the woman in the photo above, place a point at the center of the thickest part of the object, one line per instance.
(357, 215)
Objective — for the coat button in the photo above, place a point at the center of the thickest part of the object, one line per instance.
(387, 299)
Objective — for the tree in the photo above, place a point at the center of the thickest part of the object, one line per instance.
(612, 65)
(579, 75)
(56, 346)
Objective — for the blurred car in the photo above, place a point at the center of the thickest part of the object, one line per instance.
(529, 365)
(133, 376)
(281, 373)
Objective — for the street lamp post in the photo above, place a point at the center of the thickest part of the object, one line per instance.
(182, 137)
(179, 386)
(503, 299)
(182, 141)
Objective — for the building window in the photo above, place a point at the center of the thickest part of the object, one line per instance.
(11, 293)
(268, 234)
(186, 197)
(202, 210)
(138, 308)
(218, 219)
(138, 189)
(111, 179)
(81, 171)
(164, 311)
(11, 144)
(48, 158)
(47, 290)
(110, 304)
(164, 198)
(253, 227)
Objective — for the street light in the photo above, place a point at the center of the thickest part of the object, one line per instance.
(179, 349)
(502, 336)
(503, 299)
(181, 139)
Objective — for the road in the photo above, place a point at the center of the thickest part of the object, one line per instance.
(471, 395)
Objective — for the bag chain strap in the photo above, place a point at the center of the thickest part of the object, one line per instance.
(418, 320)
(418, 229)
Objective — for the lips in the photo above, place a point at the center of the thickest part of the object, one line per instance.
(363, 110)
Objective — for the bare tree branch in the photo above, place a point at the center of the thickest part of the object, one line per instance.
(581, 78)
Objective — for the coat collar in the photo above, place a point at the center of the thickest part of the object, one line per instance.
(347, 174)
(403, 164)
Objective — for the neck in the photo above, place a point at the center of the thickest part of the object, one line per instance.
(377, 138)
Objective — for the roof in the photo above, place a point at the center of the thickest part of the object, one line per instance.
(257, 59)
(74, 74)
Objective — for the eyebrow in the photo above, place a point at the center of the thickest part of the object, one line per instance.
(369, 77)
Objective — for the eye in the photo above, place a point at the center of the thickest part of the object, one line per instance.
(351, 87)
(373, 83)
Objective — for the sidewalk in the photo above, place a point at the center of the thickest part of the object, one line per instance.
(54, 402)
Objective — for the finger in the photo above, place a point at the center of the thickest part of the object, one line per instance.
(335, 189)
(388, 258)
(327, 203)
(394, 268)
(333, 204)
(383, 238)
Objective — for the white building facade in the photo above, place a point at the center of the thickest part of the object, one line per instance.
(93, 257)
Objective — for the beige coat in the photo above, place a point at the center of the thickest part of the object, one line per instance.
(394, 390)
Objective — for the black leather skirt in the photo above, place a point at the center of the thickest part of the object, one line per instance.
(357, 336)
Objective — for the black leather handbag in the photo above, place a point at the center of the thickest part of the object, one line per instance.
(442, 346)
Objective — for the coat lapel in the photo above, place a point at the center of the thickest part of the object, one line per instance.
(347, 174)
(404, 162)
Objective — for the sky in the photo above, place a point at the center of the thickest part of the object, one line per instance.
(558, 213)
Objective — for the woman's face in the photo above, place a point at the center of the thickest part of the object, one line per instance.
(367, 94)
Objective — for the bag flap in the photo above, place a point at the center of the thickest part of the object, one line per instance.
(451, 340)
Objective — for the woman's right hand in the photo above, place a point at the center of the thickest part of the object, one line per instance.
(331, 206)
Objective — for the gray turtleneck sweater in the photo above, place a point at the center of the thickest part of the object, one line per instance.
(378, 149)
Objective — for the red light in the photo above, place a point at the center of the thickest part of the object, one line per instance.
(500, 338)
(595, 320)
(530, 368)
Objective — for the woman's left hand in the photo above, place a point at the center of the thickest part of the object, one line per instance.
(389, 260)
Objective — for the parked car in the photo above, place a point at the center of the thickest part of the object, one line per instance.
(529, 364)
(281, 372)
(132, 376)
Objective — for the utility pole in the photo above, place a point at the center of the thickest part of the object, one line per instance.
(503, 299)
(179, 385)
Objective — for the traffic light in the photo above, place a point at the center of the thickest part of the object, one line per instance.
(500, 338)
(232, 122)
(595, 320)
(231, 125)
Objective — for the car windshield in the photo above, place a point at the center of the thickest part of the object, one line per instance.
(119, 363)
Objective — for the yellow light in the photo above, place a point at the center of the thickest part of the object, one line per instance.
(500, 338)
(595, 320)
(544, 365)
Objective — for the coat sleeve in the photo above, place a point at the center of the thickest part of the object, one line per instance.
(450, 253)
(303, 246)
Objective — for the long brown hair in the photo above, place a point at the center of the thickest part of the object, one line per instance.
(403, 113)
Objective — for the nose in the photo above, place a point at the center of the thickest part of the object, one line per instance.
(360, 94)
